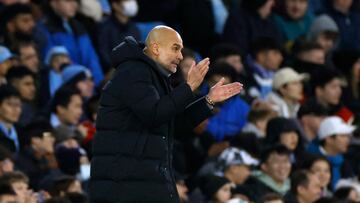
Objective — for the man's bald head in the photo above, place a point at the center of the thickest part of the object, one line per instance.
(161, 33)
(164, 45)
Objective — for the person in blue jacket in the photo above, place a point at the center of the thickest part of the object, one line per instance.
(60, 28)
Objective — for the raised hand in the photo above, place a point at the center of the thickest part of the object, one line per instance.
(197, 73)
(220, 92)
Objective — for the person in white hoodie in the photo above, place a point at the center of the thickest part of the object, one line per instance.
(287, 92)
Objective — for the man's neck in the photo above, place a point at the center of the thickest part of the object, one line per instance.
(322, 102)
(301, 200)
(7, 125)
(121, 18)
(341, 9)
(262, 13)
(330, 151)
(310, 135)
(289, 101)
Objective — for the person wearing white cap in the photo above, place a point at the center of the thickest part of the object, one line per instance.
(287, 92)
(334, 135)
(235, 164)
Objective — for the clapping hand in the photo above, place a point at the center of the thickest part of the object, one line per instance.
(220, 92)
(197, 73)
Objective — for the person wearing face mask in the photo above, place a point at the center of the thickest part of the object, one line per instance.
(112, 30)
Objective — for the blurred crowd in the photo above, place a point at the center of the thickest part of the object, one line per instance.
(291, 136)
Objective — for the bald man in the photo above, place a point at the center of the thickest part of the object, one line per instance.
(132, 149)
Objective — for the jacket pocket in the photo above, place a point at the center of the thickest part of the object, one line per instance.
(140, 145)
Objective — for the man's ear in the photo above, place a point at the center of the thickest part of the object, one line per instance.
(263, 167)
(300, 190)
(10, 26)
(59, 109)
(155, 49)
(318, 91)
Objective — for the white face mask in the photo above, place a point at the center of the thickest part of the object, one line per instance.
(84, 171)
(130, 8)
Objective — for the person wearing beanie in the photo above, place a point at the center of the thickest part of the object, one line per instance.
(286, 132)
(79, 77)
(6, 63)
(334, 135)
(324, 31)
(51, 77)
(249, 22)
(216, 189)
(287, 92)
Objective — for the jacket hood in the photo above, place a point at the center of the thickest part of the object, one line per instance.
(129, 49)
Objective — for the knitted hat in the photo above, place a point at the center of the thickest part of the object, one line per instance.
(73, 73)
(211, 184)
(5, 54)
(56, 50)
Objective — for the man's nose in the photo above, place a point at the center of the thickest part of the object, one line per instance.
(180, 56)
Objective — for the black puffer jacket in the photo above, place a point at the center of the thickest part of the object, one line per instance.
(132, 147)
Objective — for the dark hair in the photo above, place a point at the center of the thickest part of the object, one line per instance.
(278, 149)
(312, 159)
(8, 91)
(311, 107)
(223, 50)
(18, 72)
(343, 192)
(5, 153)
(323, 77)
(270, 197)
(24, 43)
(247, 141)
(279, 125)
(58, 200)
(223, 69)
(259, 114)
(253, 5)
(13, 177)
(323, 141)
(302, 45)
(12, 11)
(331, 200)
(61, 184)
(6, 189)
(35, 128)
(91, 106)
(76, 197)
(264, 44)
(299, 178)
(62, 97)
